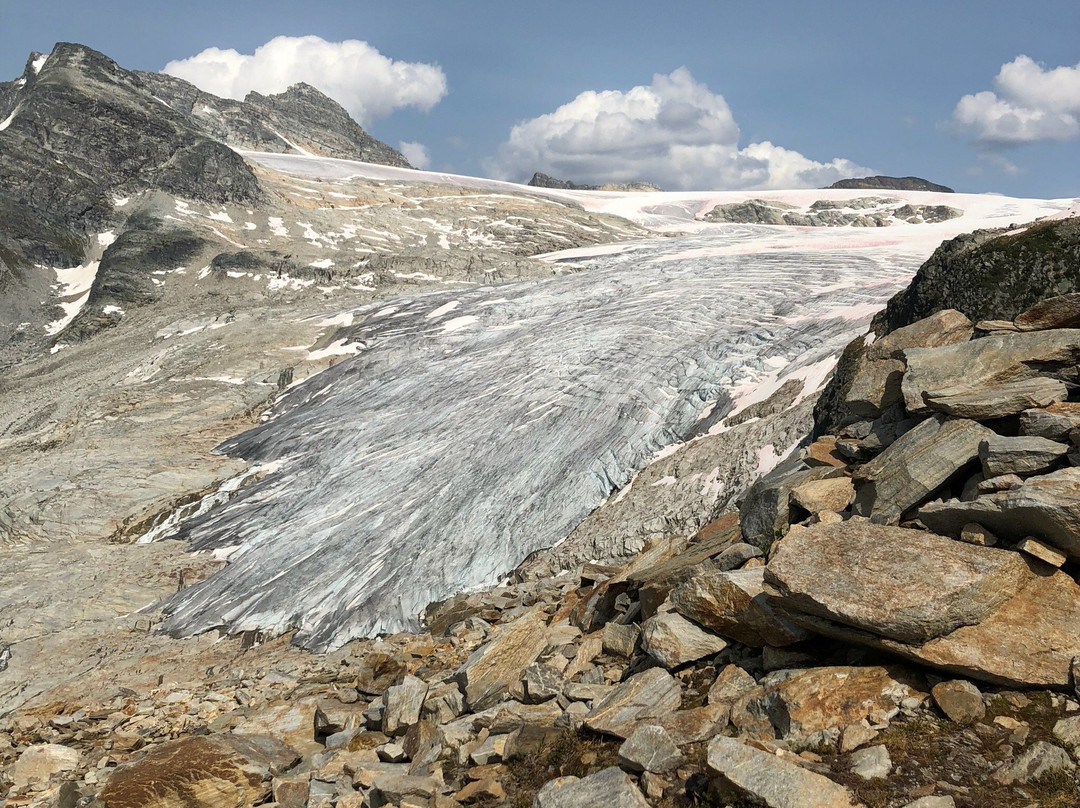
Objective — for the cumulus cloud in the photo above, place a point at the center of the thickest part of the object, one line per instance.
(674, 132)
(416, 153)
(1029, 103)
(367, 83)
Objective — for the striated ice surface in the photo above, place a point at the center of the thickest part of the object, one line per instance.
(472, 428)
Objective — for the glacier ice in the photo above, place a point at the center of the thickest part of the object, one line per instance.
(475, 427)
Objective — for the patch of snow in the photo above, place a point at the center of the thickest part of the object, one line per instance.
(341, 347)
(276, 226)
(250, 226)
(111, 309)
(106, 239)
(39, 63)
(323, 263)
(57, 347)
(221, 216)
(7, 121)
(458, 323)
(120, 201)
(445, 308)
(75, 283)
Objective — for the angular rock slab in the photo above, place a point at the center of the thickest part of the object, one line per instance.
(906, 585)
(673, 641)
(917, 464)
(1053, 422)
(803, 702)
(736, 770)
(946, 327)
(734, 605)
(763, 513)
(38, 764)
(201, 770)
(490, 670)
(999, 400)
(649, 749)
(1024, 455)
(1062, 311)
(650, 694)
(910, 584)
(990, 360)
(611, 788)
(1047, 507)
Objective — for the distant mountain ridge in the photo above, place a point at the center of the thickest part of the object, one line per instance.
(541, 180)
(893, 184)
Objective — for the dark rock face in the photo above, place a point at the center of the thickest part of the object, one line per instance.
(991, 274)
(893, 183)
(300, 118)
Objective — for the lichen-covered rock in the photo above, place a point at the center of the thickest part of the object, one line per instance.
(650, 694)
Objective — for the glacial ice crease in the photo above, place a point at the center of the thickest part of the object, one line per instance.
(473, 428)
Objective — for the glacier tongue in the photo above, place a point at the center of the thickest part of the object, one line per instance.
(475, 427)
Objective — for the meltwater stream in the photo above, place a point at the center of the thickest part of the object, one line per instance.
(473, 428)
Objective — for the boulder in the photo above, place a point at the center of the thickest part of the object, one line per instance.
(1044, 552)
(490, 670)
(1062, 311)
(621, 639)
(695, 725)
(1024, 455)
(649, 749)
(730, 685)
(763, 512)
(991, 360)
(915, 466)
(800, 703)
(1067, 730)
(611, 788)
(293, 722)
(874, 387)
(39, 763)
(993, 401)
(911, 586)
(974, 533)
(833, 494)
(960, 700)
(738, 771)
(402, 704)
(650, 694)
(209, 771)
(871, 763)
(541, 682)
(1038, 760)
(673, 641)
(945, 327)
(1053, 422)
(733, 604)
(1047, 507)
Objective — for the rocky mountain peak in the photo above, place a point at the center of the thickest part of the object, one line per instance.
(893, 183)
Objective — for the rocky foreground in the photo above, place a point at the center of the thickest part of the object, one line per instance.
(890, 620)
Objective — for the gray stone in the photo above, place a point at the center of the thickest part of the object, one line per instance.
(1044, 552)
(1047, 507)
(1038, 760)
(649, 694)
(392, 789)
(833, 494)
(871, 763)
(402, 704)
(621, 639)
(734, 605)
(1002, 483)
(649, 749)
(730, 685)
(736, 770)
(763, 513)
(946, 327)
(932, 802)
(916, 465)
(1053, 422)
(673, 641)
(39, 763)
(960, 700)
(1067, 730)
(974, 533)
(542, 682)
(990, 360)
(998, 400)
(1024, 455)
(611, 788)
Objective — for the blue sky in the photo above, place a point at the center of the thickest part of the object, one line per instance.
(771, 94)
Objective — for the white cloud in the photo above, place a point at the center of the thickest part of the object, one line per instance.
(369, 85)
(674, 132)
(416, 153)
(1029, 103)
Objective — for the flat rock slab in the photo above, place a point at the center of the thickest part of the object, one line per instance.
(737, 770)
(1046, 507)
(209, 771)
(649, 749)
(990, 360)
(803, 702)
(611, 788)
(1022, 455)
(673, 641)
(998, 400)
(911, 586)
(292, 722)
(946, 327)
(1062, 311)
(38, 764)
(824, 495)
(488, 673)
(734, 605)
(917, 464)
(649, 694)
(1053, 422)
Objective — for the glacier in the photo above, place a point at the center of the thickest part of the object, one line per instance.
(471, 428)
